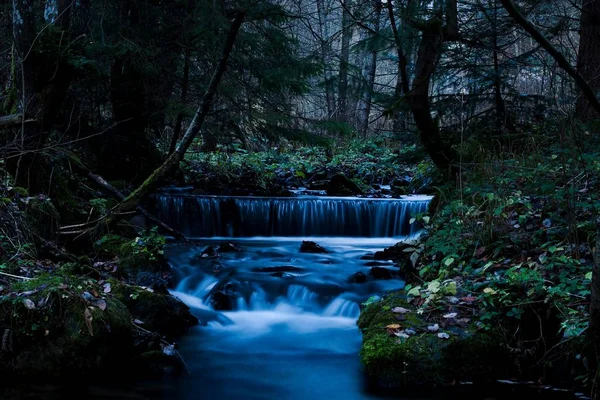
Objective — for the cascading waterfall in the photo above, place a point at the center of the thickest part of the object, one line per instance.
(275, 318)
(219, 216)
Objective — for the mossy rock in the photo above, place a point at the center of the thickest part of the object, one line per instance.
(424, 359)
(159, 312)
(55, 332)
(130, 263)
(340, 185)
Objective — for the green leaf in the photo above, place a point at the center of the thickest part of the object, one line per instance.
(434, 286)
(450, 288)
(448, 261)
(416, 291)
(588, 276)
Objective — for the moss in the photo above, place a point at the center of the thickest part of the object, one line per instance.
(424, 359)
(130, 262)
(159, 312)
(47, 335)
(42, 217)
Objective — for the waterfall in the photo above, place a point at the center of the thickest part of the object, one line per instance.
(222, 216)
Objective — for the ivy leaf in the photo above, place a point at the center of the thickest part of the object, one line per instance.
(450, 288)
(434, 286)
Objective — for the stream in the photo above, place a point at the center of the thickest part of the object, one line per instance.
(277, 323)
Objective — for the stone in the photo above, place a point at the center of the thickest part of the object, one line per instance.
(381, 273)
(311, 247)
(358, 277)
(340, 185)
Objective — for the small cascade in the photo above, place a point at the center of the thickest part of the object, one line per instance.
(273, 318)
(341, 307)
(221, 216)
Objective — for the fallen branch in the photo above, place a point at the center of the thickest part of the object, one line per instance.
(13, 120)
(117, 193)
(16, 276)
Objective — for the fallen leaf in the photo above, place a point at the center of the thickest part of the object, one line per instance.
(489, 291)
(88, 318)
(101, 304)
(479, 251)
(169, 349)
(410, 331)
(138, 322)
(443, 335)
(433, 328)
(401, 334)
(393, 326)
(400, 310)
(30, 305)
(107, 288)
(468, 299)
(451, 315)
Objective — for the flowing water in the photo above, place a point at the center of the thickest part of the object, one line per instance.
(276, 323)
(286, 324)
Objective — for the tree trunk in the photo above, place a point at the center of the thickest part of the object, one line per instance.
(326, 57)
(342, 111)
(184, 89)
(402, 84)
(132, 201)
(44, 81)
(430, 47)
(588, 62)
(369, 72)
(498, 100)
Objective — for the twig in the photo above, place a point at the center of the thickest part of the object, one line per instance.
(187, 370)
(15, 276)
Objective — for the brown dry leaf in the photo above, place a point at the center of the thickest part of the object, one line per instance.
(87, 314)
(479, 251)
(393, 326)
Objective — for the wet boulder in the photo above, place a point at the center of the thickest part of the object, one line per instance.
(358, 277)
(340, 185)
(229, 248)
(222, 301)
(158, 312)
(403, 349)
(312, 247)
(381, 273)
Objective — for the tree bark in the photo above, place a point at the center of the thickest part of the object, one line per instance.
(342, 110)
(184, 89)
(588, 62)
(364, 109)
(132, 201)
(326, 58)
(402, 83)
(44, 81)
(430, 47)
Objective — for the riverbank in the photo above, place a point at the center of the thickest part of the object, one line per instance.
(498, 285)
